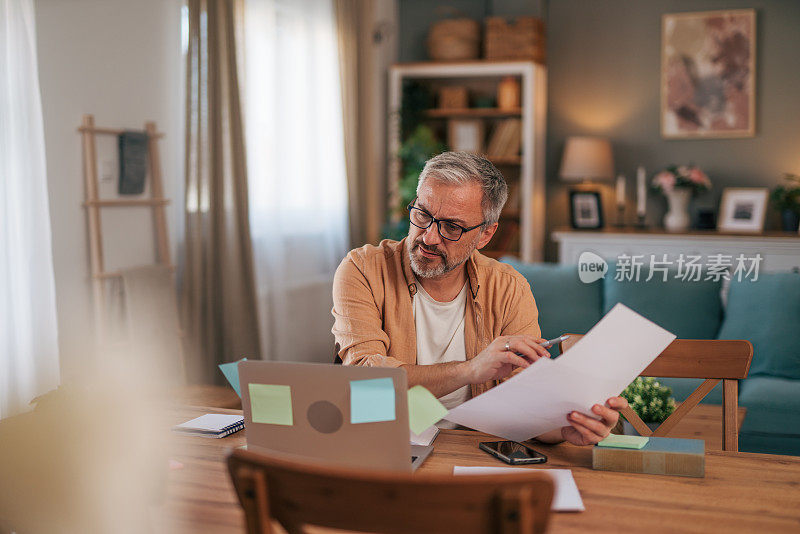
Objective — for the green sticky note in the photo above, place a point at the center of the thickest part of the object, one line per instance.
(231, 372)
(624, 442)
(372, 400)
(271, 404)
(424, 409)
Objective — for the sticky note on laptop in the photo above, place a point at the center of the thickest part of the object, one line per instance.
(372, 401)
(231, 372)
(618, 441)
(271, 404)
(424, 409)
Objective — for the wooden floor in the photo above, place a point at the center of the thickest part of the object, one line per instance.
(741, 492)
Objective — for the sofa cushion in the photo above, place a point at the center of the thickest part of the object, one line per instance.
(690, 310)
(565, 303)
(767, 313)
(773, 405)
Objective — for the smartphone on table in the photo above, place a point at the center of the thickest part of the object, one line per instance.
(514, 453)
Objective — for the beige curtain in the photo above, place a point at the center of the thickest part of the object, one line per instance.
(347, 24)
(218, 290)
(367, 35)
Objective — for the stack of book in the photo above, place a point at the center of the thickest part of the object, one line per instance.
(506, 139)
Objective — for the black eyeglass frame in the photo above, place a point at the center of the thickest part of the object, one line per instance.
(439, 222)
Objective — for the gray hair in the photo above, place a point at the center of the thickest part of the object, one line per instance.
(461, 168)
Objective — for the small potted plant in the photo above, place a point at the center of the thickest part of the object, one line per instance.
(786, 199)
(679, 183)
(650, 400)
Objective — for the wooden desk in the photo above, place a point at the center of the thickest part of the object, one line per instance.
(741, 492)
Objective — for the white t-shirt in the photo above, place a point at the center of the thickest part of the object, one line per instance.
(440, 336)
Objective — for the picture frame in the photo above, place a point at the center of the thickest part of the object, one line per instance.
(708, 73)
(743, 209)
(585, 210)
(465, 135)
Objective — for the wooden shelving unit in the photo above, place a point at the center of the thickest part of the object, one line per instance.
(521, 231)
(472, 113)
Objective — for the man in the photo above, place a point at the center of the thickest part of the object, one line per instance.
(456, 321)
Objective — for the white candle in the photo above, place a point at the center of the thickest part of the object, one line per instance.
(621, 190)
(641, 192)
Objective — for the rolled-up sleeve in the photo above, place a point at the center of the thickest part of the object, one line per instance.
(358, 321)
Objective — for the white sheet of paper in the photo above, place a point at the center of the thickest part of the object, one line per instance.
(566, 497)
(619, 347)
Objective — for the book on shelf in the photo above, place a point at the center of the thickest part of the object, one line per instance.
(506, 139)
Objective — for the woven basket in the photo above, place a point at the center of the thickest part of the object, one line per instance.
(454, 39)
(521, 39)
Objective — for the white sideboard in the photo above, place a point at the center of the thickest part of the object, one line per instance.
(780, 251)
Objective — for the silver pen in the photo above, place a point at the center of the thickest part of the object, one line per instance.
(550, 342)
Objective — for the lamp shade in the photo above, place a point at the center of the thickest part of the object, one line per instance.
(587, 158)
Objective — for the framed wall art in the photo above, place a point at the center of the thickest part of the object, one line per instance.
(708, 71)
(743, 209)
(586, 212)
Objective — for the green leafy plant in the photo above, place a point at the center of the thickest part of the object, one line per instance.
(649, 399)
(787, 196)
(418, 146)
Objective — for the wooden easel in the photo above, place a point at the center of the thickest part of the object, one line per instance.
(93, 203)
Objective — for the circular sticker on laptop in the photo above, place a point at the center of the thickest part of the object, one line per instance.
(324, 417)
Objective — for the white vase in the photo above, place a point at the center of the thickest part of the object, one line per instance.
(677, 218)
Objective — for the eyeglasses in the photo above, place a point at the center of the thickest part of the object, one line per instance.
(447, 229)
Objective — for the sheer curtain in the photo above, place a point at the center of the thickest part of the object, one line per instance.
(296, 171)
(28, 328)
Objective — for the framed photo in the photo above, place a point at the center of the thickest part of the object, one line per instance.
(465, 135)
(708, 70)
(585, 210)
(743, 209)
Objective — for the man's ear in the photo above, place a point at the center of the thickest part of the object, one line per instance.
(486, 235)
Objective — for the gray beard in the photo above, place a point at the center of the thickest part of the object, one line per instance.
(422, 270)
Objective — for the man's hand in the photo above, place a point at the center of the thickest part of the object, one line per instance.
(495, 362)
(585, 430)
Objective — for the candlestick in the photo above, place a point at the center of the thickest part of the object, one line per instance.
(641, 195)
(620, 200)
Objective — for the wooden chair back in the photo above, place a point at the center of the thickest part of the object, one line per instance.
(299, 494)
(710, 359)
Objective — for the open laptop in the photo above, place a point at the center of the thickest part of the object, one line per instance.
(348, 416)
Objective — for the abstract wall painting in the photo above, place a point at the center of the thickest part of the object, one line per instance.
(708, 74)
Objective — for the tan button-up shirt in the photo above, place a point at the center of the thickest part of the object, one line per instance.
(374, 320)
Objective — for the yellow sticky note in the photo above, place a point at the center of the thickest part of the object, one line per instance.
(424, 409)
(271, 404)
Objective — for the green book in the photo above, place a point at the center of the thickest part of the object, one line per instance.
(618, 441)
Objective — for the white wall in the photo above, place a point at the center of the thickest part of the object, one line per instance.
(120, 60)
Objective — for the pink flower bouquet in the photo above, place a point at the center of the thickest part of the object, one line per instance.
(685, 176)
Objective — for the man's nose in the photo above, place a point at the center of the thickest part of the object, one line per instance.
(431, 235)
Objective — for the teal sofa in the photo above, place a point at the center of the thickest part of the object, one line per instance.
(765, 311)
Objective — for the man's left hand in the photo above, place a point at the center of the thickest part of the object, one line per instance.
(585, 430)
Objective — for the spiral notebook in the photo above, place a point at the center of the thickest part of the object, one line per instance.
(211, 425)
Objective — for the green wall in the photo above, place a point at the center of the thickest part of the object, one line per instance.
(603, 59)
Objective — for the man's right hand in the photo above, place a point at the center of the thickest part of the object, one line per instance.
(496, 363)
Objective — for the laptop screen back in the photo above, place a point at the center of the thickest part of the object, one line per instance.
(349, 416)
